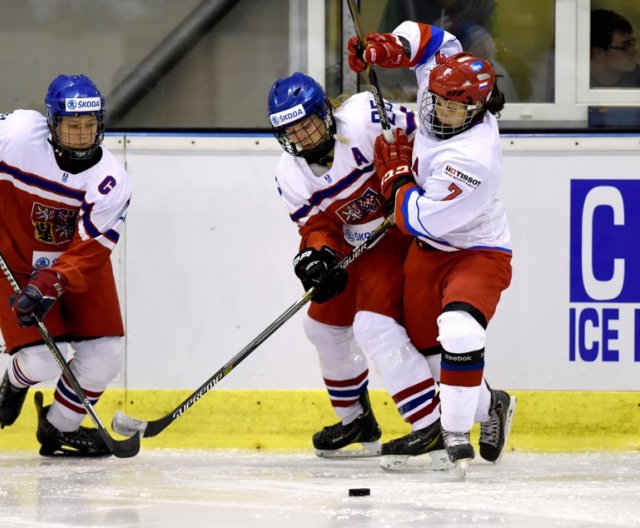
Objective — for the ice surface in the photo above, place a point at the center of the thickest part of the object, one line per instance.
(186, 489)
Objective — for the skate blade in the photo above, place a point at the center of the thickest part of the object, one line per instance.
(432, 461)
(69, 453)
(368, 450)
(462, 466)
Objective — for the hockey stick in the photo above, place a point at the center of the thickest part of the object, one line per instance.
(127, 425)
(373, 78)
(120, 448)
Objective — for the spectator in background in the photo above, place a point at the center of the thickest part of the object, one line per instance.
(613, 51)
(470, 21)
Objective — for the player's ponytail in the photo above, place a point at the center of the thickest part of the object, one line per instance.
(496, 100)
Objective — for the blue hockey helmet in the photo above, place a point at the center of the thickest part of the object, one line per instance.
(294, 99)
(72, 96)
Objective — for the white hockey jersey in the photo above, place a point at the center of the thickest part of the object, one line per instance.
(343, 202)
(53, 218)
(455, 206)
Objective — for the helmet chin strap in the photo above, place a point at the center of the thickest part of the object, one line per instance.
(69, 153)
(327, 161)
(320, 154)
(73, 154)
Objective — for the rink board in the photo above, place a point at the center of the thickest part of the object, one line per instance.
(546, 421)
(210, 242)
(204, 266)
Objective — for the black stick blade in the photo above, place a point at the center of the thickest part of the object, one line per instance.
(126, 448)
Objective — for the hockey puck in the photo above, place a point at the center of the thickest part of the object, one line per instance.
(359, 492)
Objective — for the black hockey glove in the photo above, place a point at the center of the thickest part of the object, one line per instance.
(316, 268)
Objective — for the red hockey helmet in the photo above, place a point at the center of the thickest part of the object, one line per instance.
(463, 78)
(459, 87)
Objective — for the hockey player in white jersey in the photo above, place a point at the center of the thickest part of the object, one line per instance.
(445, 196)
(63, 201)
(327, 180)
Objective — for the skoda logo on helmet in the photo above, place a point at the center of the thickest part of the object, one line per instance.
(83, 104)
(288, 116)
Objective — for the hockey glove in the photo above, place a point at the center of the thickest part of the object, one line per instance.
(44, 289)
(382, 49)
(316, 269)
(393, 166)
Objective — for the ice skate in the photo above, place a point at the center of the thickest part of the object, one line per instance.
(84, 442)
(494, 433)
(11, 401)
(459, 450)
(336, 441)
(421, 450)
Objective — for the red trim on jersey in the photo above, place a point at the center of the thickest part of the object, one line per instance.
(425, 37)
(400, 220)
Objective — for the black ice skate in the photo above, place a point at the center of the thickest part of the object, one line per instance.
(364, 430)
(404, 454)
(84, 442)
(459, 450)
(495, 431)
(11, 401)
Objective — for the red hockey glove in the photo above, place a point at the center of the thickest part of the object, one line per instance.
(356, 63)
(316, 268)
(383, 49)
(393, 164)
(44, 289)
